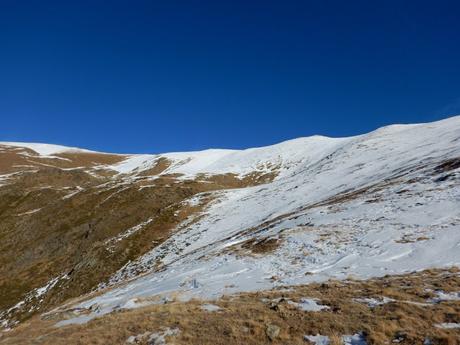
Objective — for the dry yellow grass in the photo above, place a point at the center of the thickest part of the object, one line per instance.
(244, 318)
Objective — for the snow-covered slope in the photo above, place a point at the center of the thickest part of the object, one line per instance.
(44, 149)
(383, 203)
(282, 157)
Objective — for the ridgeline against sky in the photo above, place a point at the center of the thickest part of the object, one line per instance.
(156, 76)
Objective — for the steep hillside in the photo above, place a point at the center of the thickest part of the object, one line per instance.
(135, 230)
(69, 218)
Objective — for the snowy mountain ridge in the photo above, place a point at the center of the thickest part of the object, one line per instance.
(386, 202)
(383, 203)
(219, 161)
(210, 161)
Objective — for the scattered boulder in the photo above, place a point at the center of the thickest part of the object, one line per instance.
(272, 331)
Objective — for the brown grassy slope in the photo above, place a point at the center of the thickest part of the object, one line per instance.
(246, 318)
(14, 159)
(56, 222)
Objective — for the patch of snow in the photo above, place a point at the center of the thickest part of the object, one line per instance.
(158, 338)
(128, 232)
(419, 304)
(448, 325)
(7, 177)
(374, 302)
(71, 194)
(309, 304)
(318, 339)
(445, 296)
(153, 338)
(194, 201)
(16, 306)
(356, 339)
(48, 286)
(45, 149)
(36, 296)
(147, 186)
(134, 162)
(29, 212)
(78, 320)
(210, 307)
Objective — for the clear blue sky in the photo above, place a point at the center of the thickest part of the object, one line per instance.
(155, 76)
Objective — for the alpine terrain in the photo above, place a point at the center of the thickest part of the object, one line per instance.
(314, 240)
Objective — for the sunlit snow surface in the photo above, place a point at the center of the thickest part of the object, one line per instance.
(318, 339)
(402, 216)
(356, 339)
(309, 304)
(44, 149)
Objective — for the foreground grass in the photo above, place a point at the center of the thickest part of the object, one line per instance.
(271, 317)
